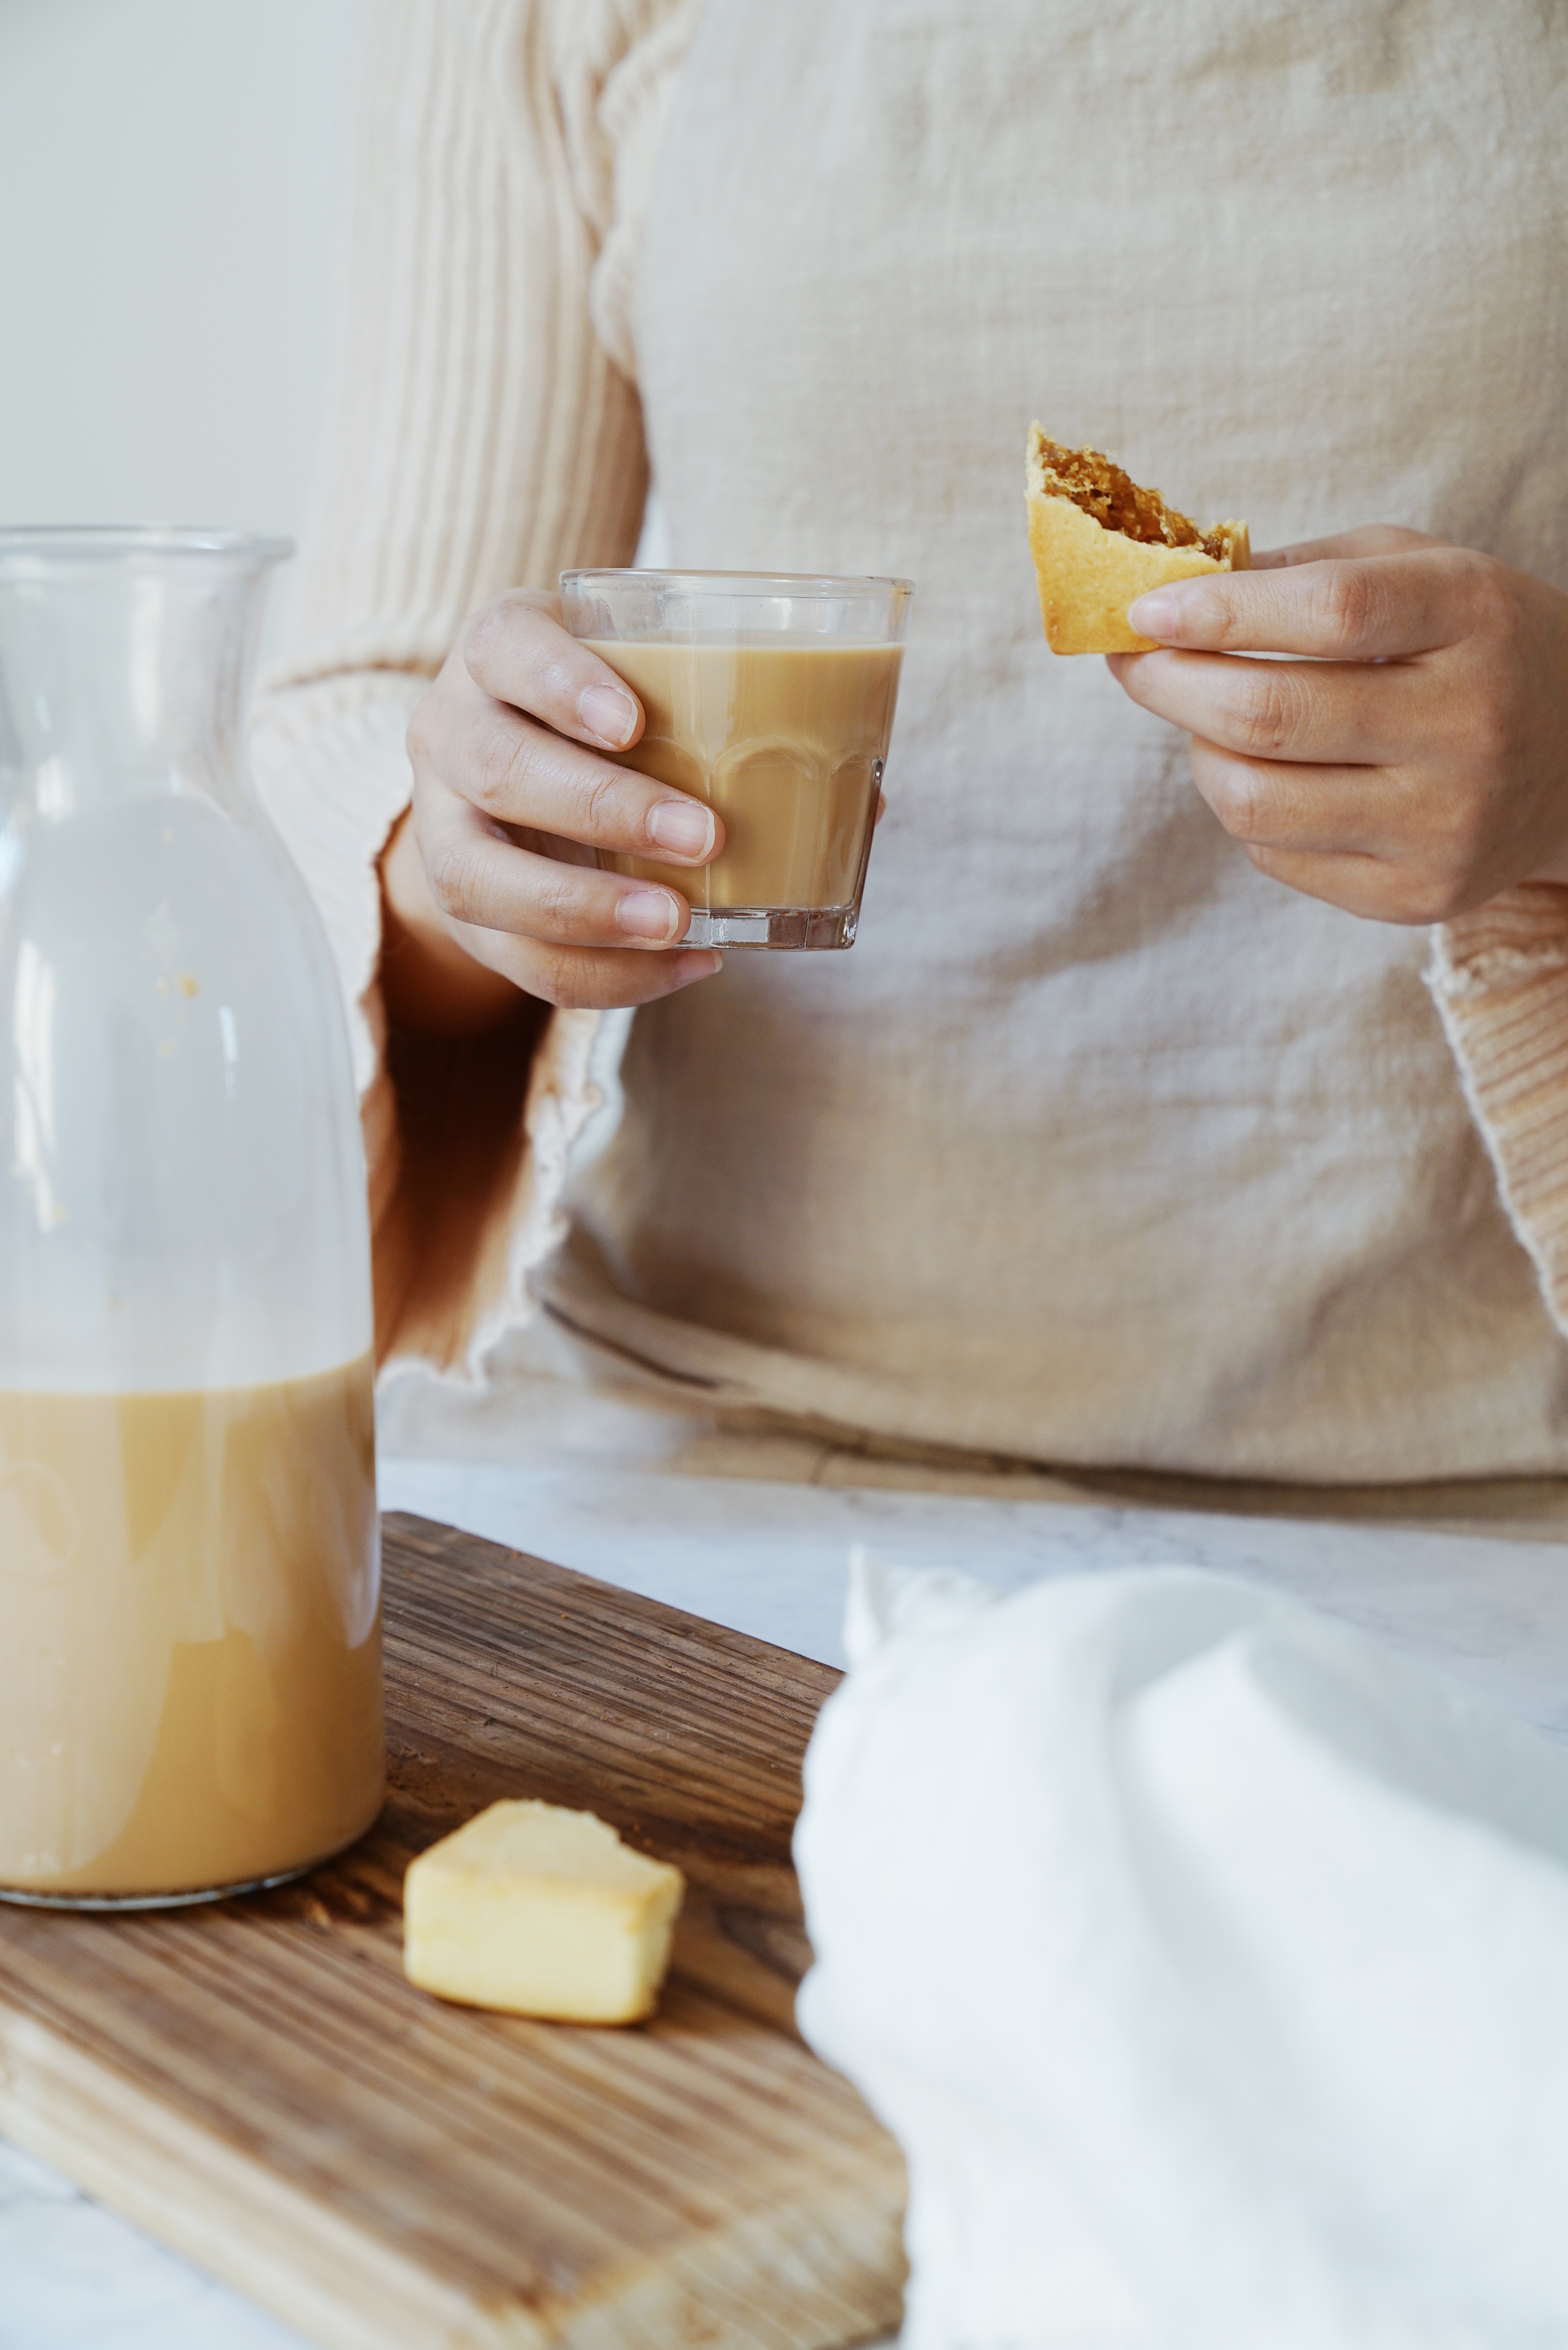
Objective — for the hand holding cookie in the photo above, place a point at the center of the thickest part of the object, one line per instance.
(1415, 763)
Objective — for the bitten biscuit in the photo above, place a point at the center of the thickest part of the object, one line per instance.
(540, 1912)
(1099, 542)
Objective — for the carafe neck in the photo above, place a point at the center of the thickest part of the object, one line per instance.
(125, 656)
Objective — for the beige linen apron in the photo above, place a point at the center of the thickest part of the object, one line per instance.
(1099, 1146)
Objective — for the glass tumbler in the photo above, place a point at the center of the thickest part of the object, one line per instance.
(190, 1655)
(771, 698)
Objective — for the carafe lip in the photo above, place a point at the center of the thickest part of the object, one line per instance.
(36, 547)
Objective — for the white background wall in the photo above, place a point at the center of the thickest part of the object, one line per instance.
(168, 187)
(168, 222)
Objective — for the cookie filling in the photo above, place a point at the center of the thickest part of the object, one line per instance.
(1113, 499)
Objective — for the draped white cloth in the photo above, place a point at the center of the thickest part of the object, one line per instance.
(1211, 1964)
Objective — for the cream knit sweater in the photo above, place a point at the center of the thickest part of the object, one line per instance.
(1099, 1146)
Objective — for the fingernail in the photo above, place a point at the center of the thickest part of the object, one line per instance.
(1157, 614)
(608, 713)
(649, 914)
(700, 963)
(686, 827)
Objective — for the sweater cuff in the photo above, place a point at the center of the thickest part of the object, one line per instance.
(1499, 979)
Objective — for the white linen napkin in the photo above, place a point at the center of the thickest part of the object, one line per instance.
(1209, 1964)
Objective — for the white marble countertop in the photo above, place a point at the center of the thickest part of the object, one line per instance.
(767, 1556)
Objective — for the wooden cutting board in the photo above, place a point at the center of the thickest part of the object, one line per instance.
(255, 2081)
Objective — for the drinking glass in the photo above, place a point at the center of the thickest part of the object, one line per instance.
(771, 697)
(189, 1661)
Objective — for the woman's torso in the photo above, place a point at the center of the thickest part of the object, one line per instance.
(1098, 1146)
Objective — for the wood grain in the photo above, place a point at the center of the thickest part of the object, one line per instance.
(257, 2083)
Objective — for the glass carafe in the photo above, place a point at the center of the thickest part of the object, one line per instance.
(189, 1650)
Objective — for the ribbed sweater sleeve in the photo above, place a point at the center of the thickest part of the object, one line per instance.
(1500, 979)
(478, 436)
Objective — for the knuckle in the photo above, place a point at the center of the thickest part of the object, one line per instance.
(602, 806)
(1268, 710)
(552, 978)
(498, 769)
(479, 637)
(1345, 601)
(460, 882)
(576, 981)
(1240, 801)
(1389, 538)
(1228, 622)
(557, 907)
(488, 630)
(593, 981)
(501, 640)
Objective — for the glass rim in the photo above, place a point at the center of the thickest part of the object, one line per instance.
(40, 544)
(756, 582)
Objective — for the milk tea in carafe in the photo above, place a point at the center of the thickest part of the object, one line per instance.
(190, 1660)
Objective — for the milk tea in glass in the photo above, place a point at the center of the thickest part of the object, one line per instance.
(770, 697)
(190, 1649)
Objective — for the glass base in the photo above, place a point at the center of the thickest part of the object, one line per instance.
(158, 1900)
(810, 927)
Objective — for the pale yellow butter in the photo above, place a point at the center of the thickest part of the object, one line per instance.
(540, 1912)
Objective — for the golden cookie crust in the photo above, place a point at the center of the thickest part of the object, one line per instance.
(1099, 542)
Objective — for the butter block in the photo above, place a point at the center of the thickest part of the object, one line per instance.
(540, 1912)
